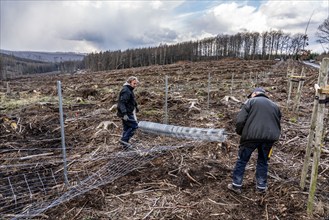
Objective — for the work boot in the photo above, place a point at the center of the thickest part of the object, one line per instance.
(126, 146)
(235, 189)
(261, 190)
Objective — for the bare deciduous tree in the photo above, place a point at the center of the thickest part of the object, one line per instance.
(323, 33)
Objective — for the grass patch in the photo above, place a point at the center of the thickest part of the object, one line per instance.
(108, 90)
(16, 102)
(152, 112)
(293, 120)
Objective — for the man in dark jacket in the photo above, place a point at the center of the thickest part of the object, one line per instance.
(258, 123)
(127, 109)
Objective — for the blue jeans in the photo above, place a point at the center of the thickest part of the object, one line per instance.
(245, 151)
(129, 128)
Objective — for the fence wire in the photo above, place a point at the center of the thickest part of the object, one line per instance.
(25, 196)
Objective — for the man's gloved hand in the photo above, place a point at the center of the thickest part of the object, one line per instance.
(125, 117)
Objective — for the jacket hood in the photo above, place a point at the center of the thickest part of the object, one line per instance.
(128, 85)
(261, 94)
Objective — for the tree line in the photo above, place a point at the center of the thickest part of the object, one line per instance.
(246, 45)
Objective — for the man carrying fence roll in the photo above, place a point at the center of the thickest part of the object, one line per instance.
(127, 109)
(258, 124)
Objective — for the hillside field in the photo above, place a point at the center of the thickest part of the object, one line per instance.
(187, 182)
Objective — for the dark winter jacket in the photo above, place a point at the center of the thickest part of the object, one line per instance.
(259, 120)
(126, 101)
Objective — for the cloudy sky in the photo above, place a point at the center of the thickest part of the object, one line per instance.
(93, 26)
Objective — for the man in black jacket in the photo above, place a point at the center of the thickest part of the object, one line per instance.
(258, 123)
(127, 109)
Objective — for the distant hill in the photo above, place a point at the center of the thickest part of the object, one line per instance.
(12, 66)
(53, 57)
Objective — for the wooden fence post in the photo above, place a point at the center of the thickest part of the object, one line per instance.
(8, 88)
(299, 92)
(289, 91)
(294, 79)
(321, 99)
(290, 71)
(309, 145)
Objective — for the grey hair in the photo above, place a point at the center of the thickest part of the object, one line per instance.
(132, 78)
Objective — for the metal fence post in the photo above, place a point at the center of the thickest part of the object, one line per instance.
(208, 90)
(166, 101)
(59, 88)
(232, 84)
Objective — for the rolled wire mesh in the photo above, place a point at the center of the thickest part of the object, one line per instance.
(205, 134)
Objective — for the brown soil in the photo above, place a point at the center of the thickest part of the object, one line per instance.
(186, 183)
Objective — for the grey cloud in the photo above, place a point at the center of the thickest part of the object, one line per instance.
(153, 38)
(86, 35)
(164, 34)
(111, 25)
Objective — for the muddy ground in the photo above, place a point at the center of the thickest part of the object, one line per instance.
(187, 183)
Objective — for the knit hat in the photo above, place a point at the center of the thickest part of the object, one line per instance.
(257, 90)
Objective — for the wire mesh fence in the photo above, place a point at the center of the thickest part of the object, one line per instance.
(26, 195)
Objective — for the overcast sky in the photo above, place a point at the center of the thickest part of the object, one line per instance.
(93, 26)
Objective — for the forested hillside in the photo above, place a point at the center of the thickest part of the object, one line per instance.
(247, 45)
(11, 66)
(52, 57)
